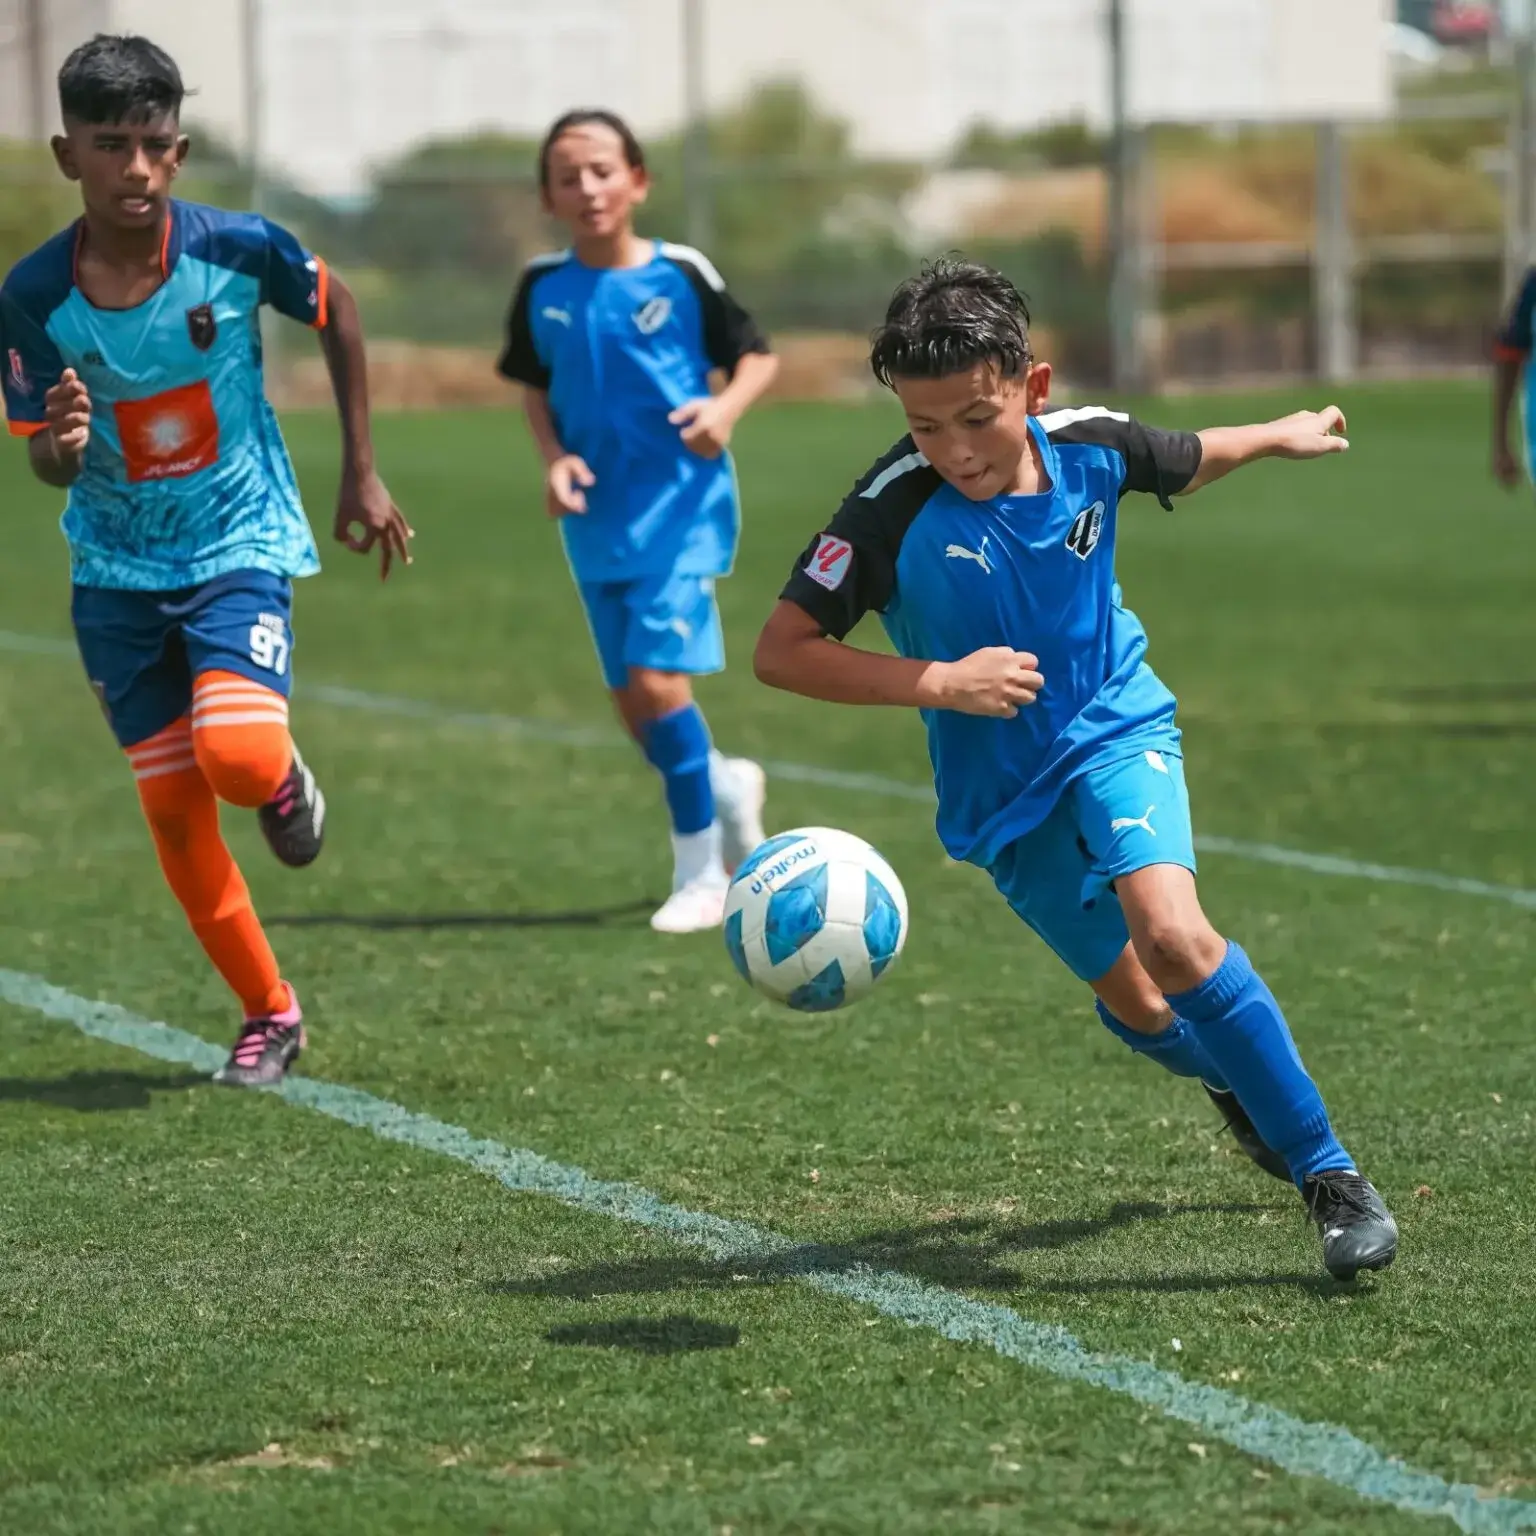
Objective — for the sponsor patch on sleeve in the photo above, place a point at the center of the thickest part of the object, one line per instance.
(829, 565)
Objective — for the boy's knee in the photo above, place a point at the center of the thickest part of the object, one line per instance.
(650, 694)
(1180, 950)
(246, 766)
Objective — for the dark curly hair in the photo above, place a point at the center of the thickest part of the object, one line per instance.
(954, 314)
(119, 80)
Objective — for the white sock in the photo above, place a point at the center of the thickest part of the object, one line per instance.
(696, 856)
(722, 779)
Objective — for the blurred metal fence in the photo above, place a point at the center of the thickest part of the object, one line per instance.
(1158, 256)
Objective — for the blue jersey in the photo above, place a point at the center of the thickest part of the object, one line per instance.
(618, 349)
(186, 476)
(950, 576)
(1514, 343)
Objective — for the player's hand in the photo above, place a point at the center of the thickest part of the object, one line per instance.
(67, 410)
(998, 681)
(1506, 467)
(566, 482)
(707, 426)
(1310, 434)
(367, 517)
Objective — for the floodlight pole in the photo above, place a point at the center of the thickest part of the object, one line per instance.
(1520, 213)
(250, 42)
(1127, 284)
(36, 35)
(1333, 259)
(696, 188)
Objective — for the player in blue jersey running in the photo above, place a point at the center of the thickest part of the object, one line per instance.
(614, 341)
(1512, 350)
(132, 357)
(985, 539)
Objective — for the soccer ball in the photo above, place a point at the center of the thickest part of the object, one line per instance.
(814, 918)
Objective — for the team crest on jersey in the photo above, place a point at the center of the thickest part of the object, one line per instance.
(202, 327)
(18, 371)
(1084, 537)
(829, 565)
(653, 314)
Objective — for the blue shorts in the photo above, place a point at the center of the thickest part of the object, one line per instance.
(668, 623)
(142, 650)
(1111, 822)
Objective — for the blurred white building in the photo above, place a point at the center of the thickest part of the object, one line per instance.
(340, 85)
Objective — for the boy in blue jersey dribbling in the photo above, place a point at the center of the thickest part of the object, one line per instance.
(132, 356)
(613, 341)
(985, 540)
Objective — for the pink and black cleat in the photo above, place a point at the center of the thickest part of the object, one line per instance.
(265, 1049)
(293, 820)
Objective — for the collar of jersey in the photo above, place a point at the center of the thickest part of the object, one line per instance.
(167, 260)
(1048, 462)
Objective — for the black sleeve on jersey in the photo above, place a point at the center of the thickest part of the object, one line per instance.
(729, 331)
(858, 549)
(1157, 462)
(519, 359)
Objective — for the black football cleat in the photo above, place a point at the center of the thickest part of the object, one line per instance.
(1356, 1227)
(265, 1049)
(1248, 1139)
(293, 820)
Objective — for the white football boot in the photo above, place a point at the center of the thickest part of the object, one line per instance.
(699, 884)
(741, 788)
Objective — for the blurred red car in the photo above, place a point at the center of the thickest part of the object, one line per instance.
(1456, 22)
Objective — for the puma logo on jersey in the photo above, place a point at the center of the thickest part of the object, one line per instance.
(1125, 823)
(562, 315)
(960, 552)
(1083, 538)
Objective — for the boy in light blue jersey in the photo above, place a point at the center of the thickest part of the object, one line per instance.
(985, 540)
(614, 341)
(132, 367)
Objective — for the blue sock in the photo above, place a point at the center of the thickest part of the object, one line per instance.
(677, 747)
(1178, 1048)
(1240, 1024)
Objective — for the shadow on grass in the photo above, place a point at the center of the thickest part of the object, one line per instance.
(593, 917)
(966, 1253)
(98, 1091)
(674, 1334)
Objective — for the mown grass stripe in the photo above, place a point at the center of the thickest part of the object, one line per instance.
(1306, 1449)
(589, 738)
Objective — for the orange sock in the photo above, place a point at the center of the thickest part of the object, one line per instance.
(183, 818)
(240, 736)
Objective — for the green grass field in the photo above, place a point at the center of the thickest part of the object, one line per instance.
(219, 1311)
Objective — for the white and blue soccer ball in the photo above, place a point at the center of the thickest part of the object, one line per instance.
(814, 918)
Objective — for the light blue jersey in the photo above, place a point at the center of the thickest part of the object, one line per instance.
(618, 349)
(950, 576)
(186, 477)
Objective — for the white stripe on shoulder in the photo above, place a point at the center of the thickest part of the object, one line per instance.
(892, 472)
(1059, 419)
(548, 259)
(697, 258)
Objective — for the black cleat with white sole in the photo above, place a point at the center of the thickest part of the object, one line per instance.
(293, 820)
(1245, 1135)
(1356, 1227)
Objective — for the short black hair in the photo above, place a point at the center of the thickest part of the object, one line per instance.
(583, 117)
(954, 314)
(119, 80)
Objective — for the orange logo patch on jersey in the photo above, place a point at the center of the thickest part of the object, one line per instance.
(169, 436)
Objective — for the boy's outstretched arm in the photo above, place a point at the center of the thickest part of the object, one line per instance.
(794, 653)
(1304, 435)
(366, 514)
